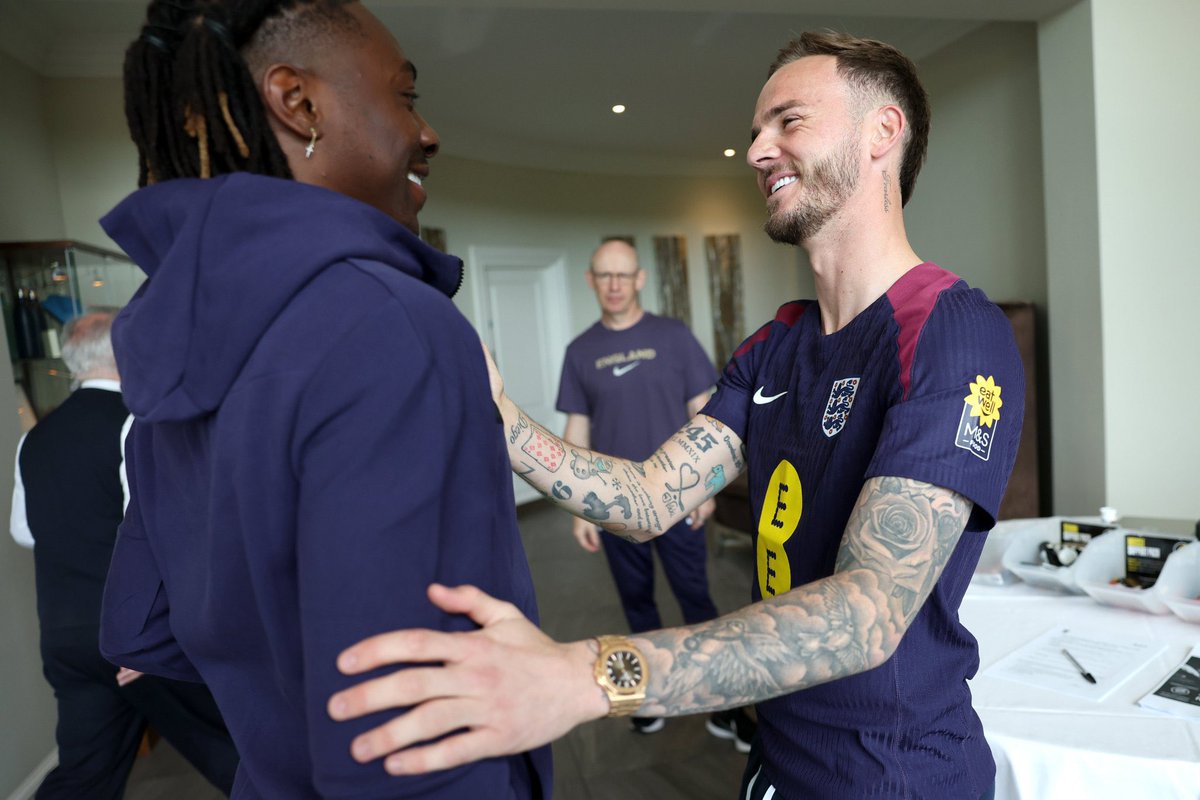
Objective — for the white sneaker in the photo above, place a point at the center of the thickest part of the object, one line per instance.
(733, 724)
(647, 724)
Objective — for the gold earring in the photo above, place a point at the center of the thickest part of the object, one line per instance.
(312, 143)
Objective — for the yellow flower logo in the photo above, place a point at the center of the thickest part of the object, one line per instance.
(984, 400)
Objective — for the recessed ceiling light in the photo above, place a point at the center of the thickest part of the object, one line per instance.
(618, 109)
(730, 152)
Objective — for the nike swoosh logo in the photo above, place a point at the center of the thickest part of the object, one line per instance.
(619, 371)
(761, 400)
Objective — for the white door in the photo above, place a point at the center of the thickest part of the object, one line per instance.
(521, 305)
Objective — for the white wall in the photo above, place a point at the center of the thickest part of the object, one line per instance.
(96, 160)
(481, 204)
(977, 209)
(29, 199)
(1077, 401)
(29, 209)
(1149, 171)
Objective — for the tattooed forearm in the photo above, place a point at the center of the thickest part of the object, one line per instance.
(514, 432)
(896, 543)
(642, 499)
(686, 447)
(902, 528)
(738, 455)
(811, 635)
(715, 481)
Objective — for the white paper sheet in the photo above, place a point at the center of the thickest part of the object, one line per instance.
(1041, 662)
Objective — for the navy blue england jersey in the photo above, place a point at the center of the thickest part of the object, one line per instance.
(927, 384)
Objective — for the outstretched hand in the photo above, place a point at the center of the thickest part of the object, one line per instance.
(507, 686)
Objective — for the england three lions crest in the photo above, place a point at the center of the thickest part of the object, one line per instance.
(837, 410)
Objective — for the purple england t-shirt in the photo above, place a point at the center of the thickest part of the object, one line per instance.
(634, 384)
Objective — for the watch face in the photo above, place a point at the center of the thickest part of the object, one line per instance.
(624, 669)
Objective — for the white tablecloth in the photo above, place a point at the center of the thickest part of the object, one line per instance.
(1050, 746)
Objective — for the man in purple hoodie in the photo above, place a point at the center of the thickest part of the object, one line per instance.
(305, 392)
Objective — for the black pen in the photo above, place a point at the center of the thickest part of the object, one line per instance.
(1087, 676)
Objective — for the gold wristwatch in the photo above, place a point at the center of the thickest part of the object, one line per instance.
(622, 673)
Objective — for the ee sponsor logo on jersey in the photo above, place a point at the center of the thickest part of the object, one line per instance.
(980, 417)
(778, 520)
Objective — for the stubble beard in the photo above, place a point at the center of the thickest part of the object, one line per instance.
(828, 184)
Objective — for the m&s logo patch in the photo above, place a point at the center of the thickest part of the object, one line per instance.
(980, 417)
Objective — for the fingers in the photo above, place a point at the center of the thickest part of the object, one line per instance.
(427, 721)
(400, 689)
(451, 752)
(478, 605)
(411, 646)
(126, 676)
(592, 539)
(587, 535)
(424, 646)
(459, 686)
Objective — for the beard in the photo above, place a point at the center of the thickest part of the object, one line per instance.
(828, 184)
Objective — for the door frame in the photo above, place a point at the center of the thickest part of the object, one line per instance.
(555, 324)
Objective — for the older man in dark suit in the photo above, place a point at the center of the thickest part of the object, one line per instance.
(68, 501)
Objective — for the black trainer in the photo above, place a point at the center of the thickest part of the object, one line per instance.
(647, 724)
(734, 724)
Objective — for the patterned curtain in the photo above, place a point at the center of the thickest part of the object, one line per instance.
(724, 254)
(670, 259)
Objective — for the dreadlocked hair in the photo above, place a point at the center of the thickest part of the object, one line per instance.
(191, 103)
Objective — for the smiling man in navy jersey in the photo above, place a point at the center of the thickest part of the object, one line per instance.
(878, 422)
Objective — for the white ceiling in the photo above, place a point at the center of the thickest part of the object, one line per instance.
(531, 82)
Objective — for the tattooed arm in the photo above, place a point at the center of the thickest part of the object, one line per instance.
(898, 539)
(579, 433)
(635, 500)
(706, 509)
(509, 687)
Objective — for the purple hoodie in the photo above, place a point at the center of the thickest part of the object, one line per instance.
(315, 443)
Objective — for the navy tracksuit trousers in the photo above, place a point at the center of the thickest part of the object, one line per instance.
(684, 556)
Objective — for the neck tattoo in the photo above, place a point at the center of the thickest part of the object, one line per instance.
(887, 200)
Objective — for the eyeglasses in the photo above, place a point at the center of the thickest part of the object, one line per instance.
(619, 277)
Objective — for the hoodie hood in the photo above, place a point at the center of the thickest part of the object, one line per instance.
(223, 257)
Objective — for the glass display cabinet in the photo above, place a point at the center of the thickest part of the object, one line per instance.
(44, 285)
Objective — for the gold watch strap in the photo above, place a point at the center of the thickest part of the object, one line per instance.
(624, 707)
